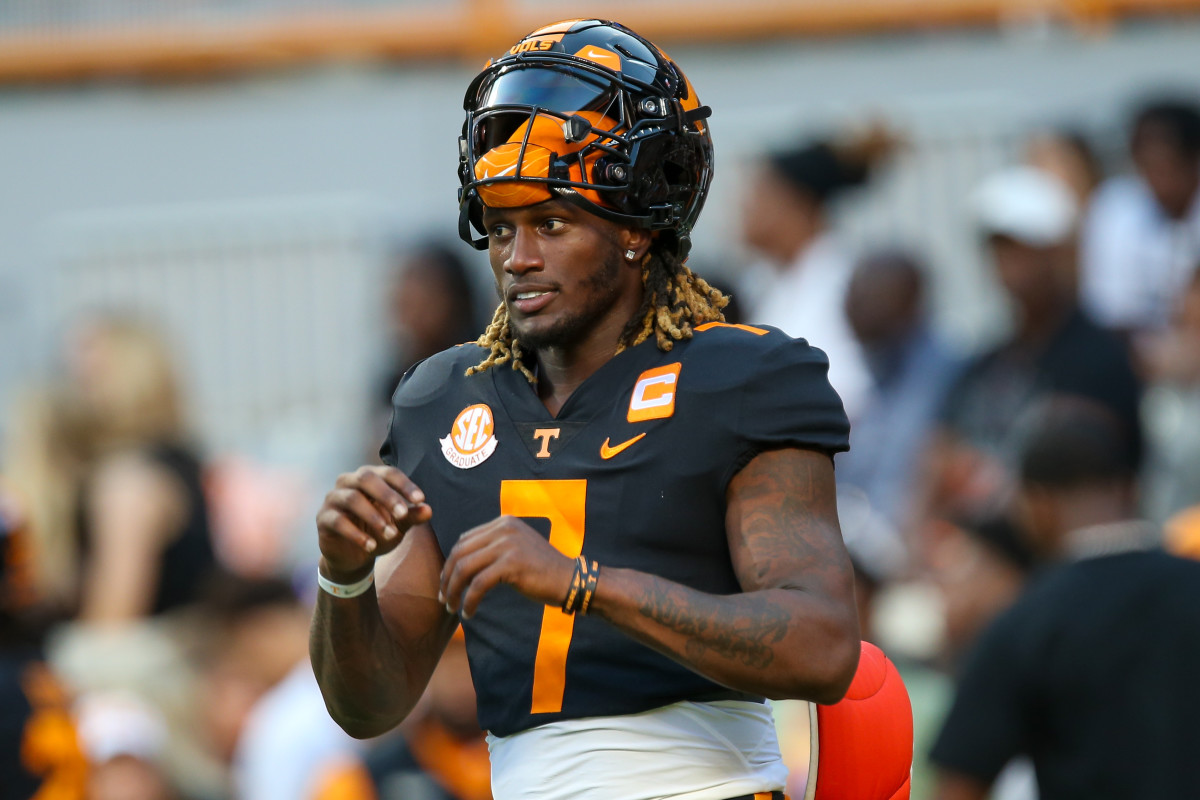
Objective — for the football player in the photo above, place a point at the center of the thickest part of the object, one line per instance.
(628, 503)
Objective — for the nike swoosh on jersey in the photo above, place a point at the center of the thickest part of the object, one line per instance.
(607, 452)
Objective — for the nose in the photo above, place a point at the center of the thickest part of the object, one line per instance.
(526, 253)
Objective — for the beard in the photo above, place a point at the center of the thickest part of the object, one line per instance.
(601, 292)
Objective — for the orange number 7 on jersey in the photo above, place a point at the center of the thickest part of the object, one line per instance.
(564, 504)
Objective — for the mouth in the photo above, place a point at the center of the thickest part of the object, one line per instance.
(530, 300)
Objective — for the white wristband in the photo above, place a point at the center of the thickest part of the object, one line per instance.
(345, 590)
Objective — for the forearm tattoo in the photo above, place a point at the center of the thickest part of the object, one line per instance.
(786, 538)
(744, 634)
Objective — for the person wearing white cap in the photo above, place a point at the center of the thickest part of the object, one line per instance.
(1027, 219)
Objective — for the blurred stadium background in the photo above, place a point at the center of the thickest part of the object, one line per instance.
(241, 169)
(248, 173)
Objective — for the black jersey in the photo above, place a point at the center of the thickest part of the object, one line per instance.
(632, 472)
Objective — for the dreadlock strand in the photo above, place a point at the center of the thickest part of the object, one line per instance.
(501, 346)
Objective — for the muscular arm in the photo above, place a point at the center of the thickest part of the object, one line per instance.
(373, 654)
(794, 630)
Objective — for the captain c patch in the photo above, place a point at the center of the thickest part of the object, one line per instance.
(654, 394)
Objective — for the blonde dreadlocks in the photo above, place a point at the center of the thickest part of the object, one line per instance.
(675, 301)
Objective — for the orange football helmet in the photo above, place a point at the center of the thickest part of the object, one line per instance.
(588, 111)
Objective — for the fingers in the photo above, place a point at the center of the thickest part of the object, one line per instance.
(484, 581)
(331, 520)
(505, 550)
(391, 490)
(465, 558)
(404, 485)
(367, 515)
(463, 577)
(364, 512)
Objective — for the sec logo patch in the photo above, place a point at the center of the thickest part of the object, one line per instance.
(472, 437)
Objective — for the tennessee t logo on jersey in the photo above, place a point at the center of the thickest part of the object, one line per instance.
(472, 437)
(654, 394)
(545, 436)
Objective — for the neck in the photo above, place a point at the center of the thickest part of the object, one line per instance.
(1038, 325)
(1089, 507)
(562, 368)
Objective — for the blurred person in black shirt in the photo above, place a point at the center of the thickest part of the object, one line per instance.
(115, 488)
(1092, 672)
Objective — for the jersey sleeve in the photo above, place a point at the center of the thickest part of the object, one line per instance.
(420, 389)
(393, 452)
(786, 400)
(772, 392)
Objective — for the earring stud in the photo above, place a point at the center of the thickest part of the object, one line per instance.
(630, 255)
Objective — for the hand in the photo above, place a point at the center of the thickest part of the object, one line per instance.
(364, 516)
(505, 550)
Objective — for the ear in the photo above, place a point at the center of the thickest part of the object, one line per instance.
(636, 239)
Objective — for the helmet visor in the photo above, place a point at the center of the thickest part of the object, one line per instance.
(548, 89)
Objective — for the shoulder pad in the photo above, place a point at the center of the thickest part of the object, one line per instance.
(733, 354)
(427, 379)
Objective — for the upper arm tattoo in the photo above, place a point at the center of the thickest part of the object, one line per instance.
(782, 521)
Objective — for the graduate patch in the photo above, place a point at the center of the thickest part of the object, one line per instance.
(472, 437)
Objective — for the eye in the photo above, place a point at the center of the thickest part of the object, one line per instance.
(554, 225)
(499, 230)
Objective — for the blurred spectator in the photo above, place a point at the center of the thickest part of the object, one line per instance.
(39, 747)
(1171, 409)
(1067, 155)
(124, 740)
(440, 753)
(979, 567)
(1028, 220)
(115, 487)
(785, 218)
(1142, 238)
(119, 524)
(263, 710)
(911, 370)
(1092, 672)
(976, 568)
(431, 308)
(255, 510)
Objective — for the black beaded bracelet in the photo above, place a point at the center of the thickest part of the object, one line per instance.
(589, 588)
(583, 586)
(578, 579)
